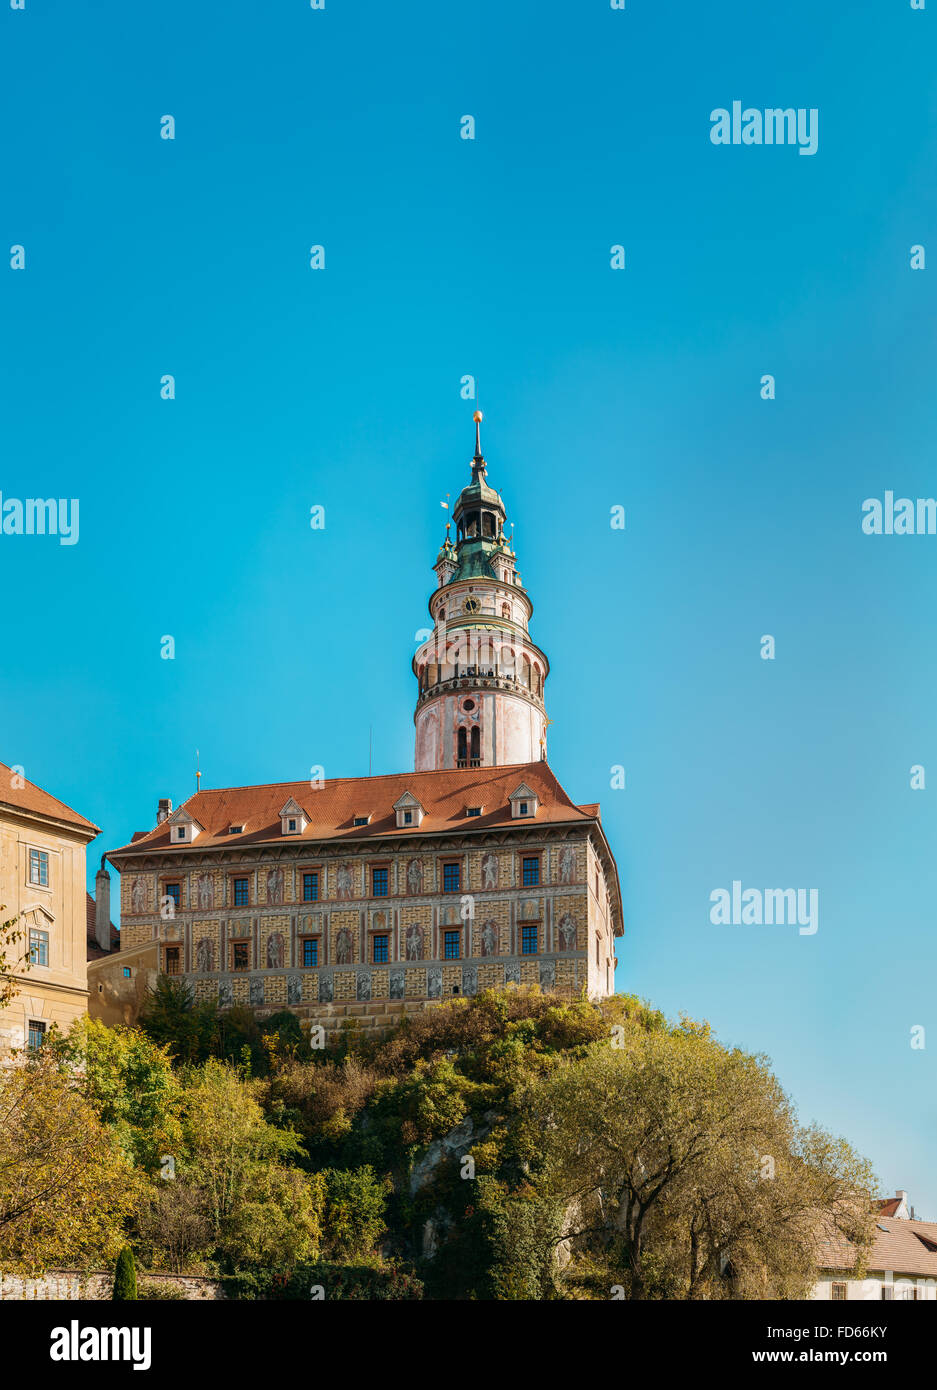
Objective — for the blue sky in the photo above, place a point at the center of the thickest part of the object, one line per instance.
(641, 387)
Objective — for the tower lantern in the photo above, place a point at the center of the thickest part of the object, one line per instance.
(481, 677)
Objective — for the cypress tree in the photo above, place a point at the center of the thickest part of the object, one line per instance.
(125, 1276)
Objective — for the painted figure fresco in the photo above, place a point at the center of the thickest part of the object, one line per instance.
(275, 885)
(205, 891)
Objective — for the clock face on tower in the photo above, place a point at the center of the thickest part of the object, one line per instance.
(472, 605)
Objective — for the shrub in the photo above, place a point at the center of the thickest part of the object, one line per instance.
(125, 1276)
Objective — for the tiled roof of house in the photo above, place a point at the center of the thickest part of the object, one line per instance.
(29, 798)
(94, 950)
(900, 1246)
(331, 809)
(887, 1206)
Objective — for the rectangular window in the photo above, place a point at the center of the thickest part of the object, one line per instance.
(473, 811)
(311, 887)
(39, 867)
(379, 883)
(380, 949)
(451, 949)
(839, 1293)
(451, 878)
(292, 825)
(311, 952)
(523, 809)
(180, 832)
(35, 1034)
(38, 947)
(174, 891)
(240, 953)
(529, 940)
(361, 820)
(173, 962)
(240, 892)
(531, 872)
(127, 972)
(408, 817)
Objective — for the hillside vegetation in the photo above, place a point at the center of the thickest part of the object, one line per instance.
(510, 1146)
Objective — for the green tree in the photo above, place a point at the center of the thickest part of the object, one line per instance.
(278, 1224)
(174, 1224)
(131, 1084)
(260, 1206)
(354, 1219)
(125, 1276)
(682, 1162)
(172, 1019)
(65, 1187)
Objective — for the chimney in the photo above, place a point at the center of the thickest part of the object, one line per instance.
(163, 810)
(102, 907)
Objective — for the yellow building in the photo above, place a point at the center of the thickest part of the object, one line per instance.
(42, 884)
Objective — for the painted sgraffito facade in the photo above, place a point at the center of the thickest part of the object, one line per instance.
(361, 898)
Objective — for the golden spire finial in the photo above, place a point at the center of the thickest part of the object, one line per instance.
(478, 417)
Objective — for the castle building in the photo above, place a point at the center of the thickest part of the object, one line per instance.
(42, 887)
(364, 897)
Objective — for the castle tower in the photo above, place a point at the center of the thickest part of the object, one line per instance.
(481, 677)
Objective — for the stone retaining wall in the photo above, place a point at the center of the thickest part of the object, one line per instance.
(62, 1284)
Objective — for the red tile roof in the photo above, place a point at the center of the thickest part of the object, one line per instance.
(29, 798)
(897, 1247)
(331, 809)
(887, 1206)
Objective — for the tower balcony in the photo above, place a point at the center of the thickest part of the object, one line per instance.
(480, 679)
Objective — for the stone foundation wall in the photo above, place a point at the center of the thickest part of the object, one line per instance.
(63, 1284)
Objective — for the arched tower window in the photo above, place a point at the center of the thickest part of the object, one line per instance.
(476, 747)
(463, 751)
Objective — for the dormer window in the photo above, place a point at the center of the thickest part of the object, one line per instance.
(235, 830)
(409, 812)
(361, 820)
(183, 828)
(292, 818)
(524, 802)
(473, 810)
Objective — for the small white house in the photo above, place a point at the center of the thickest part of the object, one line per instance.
(901, 1265)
